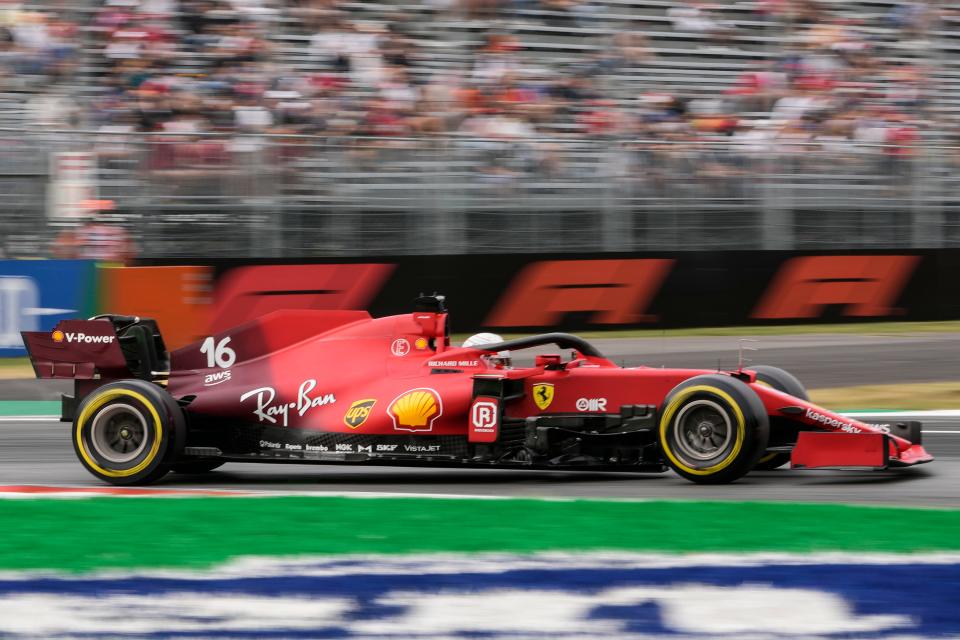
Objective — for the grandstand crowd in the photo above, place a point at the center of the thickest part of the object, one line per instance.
(795, 71)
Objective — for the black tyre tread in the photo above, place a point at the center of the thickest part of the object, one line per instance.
(757, 427)
(788, 383)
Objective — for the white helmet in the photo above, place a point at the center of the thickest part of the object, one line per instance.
(480, 339)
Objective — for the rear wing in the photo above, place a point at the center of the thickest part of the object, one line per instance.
(107, 347)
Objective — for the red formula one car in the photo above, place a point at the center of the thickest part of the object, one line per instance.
(342, 387)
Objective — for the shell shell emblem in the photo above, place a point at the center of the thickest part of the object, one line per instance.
(415, 410)
(57, 336)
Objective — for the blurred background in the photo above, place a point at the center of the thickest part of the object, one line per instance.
(139, 129)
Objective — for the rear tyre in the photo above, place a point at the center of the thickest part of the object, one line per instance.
(197, 466)
(713, 428)
(781, 381)
(125, 433)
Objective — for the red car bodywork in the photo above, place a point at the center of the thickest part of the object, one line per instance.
(340, 386)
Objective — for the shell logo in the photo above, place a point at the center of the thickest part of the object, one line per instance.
(57, 336)
(416, 410)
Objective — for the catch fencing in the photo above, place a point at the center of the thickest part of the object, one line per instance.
(270, 196)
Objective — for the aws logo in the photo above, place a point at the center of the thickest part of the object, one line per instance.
(416, 410)
(358, 413)
(216, 378)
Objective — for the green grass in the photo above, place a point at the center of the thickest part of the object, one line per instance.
(903, 397)
(103, 533)
(14, 362)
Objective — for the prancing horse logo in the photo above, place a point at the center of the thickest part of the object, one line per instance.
(543, 395)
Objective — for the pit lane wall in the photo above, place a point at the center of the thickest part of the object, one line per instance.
(504, 293)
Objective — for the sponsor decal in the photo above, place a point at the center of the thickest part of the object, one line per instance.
(421, 343)
(214, 379)
(591, 404)
(358, 413)
(543, 395)
(266, 444)
(421, 448)
(36, 294)
(484, 420)
(483, 415)
(218, 353)
(364, 448)
(453, 364)
(416, 410)
(293, 447)
(81, 338)
(827, 421)
(387, 448)
(267, 411)
(400, 347)
(316, 448)
(343, 448)
(880, 427)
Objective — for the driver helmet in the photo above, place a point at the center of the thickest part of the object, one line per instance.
(502, 358)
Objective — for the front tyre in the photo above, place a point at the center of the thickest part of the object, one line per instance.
(713, 428)
(781, 381)
(125, 432)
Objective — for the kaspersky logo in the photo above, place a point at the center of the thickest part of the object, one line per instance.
(80, 338)
(416, 410)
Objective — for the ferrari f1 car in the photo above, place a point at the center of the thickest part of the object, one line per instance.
(342, 387)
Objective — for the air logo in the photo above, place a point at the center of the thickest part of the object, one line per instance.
(19, 299)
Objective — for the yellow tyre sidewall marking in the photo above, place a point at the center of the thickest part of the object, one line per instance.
(671, 409)
(91, 408)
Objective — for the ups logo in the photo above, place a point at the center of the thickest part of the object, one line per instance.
(358, 413)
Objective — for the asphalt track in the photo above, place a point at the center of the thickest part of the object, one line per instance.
(36, 452)
(39, 452)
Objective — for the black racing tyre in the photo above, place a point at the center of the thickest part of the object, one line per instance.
(713, 428)
(781, 381)
(127, 432)
(197, 466)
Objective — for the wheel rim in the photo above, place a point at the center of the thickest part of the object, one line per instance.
(119, 433)
(703, 431)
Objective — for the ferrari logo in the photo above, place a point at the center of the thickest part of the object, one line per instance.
(543, 395)
(358, 413)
